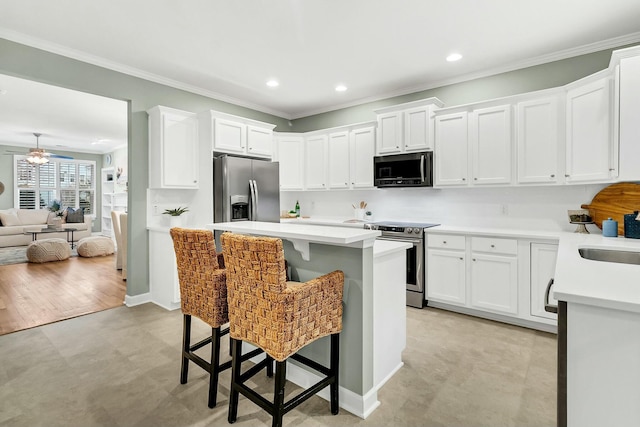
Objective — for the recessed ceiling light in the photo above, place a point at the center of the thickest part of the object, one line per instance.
(273, 83)
(454, 57)
(341, 88)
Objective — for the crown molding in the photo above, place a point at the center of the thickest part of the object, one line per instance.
(131, 71)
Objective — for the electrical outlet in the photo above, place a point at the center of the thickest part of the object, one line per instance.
(156, 211)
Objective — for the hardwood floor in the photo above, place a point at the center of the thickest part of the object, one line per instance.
(37, 294)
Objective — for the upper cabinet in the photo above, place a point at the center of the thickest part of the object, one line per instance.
(406, 127)
(474, 147)
(628, 91)
(538, 139)
(291, 158)
(173, 148)
(237, 135)
(591, 148)
(338, 158)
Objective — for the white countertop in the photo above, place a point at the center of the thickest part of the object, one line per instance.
(603, 284)
(499, 232)
(318, 220)
(312, 233)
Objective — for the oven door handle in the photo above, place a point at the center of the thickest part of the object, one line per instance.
(401, 239)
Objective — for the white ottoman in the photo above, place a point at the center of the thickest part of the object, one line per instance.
(89, 247)
(48, 250)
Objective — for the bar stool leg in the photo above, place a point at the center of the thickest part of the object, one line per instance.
(278, 399)
(236, 352)
(269, 366)
(214, 368)
(335, 371)
(186, 343)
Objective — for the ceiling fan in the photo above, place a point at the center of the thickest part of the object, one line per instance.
(38, 156)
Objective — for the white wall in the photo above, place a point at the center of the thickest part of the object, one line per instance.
(543, 208)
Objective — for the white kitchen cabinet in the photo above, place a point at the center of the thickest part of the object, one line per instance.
(406, 128)
(291, 158)
(538, 139)
(494, 274)
(452, 149)
(173, 149)
(446, 269)
(316, 162)
(339, 160)
(543, 267)
(629, 102)
(362, 151)
(163, 272)
(590, 152)
(389, 133)
(490, 139)
(237, 135)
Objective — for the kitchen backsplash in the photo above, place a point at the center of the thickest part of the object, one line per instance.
(542, 208)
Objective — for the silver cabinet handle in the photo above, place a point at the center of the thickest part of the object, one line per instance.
(493, 246)
(553, 175)
(549, 308)
(464, 179)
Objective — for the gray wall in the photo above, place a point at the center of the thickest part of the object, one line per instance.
(34, 64)
(530, 79)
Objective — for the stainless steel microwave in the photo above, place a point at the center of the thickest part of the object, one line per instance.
(404, 170)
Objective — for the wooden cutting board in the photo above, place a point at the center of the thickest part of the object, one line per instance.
(614, 202)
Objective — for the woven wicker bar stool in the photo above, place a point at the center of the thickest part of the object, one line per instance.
(279, 317)
(203, 294)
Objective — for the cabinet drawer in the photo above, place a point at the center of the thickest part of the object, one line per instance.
(445, 241)
(494, 245)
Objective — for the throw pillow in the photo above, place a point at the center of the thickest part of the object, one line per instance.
(75, 215)
(9, 218)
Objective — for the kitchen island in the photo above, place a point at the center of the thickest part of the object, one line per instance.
(598, 334)
(374, 317)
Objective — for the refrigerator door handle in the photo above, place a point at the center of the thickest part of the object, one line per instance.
(255, 200)
(252, 201)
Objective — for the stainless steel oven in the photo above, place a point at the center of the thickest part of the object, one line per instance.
(411, 233)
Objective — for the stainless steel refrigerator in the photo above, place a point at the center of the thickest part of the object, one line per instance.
(245, 189)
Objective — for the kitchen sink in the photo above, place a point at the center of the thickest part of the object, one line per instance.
(610, 255)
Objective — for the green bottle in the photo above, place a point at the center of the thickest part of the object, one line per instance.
(297, 209)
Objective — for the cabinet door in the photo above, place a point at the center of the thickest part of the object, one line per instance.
(490, 136)
(451, 154)
(589, 133)
(339, 160)
(389, 133)
(446, 276)
(417, 127)
(229, 136)
(291, 158)
(494, 283)
(538, 139)
(179, 150)
(259, 141)
(362, 152)
(543, 267)
(316, 162)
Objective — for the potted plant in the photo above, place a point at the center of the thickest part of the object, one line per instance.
(56, 208)
(174, 215)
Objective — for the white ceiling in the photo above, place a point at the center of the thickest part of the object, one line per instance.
(378, 48)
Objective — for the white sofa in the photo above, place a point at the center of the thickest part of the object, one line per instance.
(15, 222)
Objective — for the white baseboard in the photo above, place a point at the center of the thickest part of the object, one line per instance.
(131, 301)
(361, 406)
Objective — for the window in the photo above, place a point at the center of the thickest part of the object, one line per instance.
(70, 181)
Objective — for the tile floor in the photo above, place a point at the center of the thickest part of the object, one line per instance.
(120, 367)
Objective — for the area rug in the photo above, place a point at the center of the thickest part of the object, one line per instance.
(18, 254)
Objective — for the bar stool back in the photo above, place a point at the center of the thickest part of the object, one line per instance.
(279, 317)
(203, 294)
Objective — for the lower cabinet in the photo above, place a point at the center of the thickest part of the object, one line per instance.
(543, 266)
(163, 270)
(499, 278)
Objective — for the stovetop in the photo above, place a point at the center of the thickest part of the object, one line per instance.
(398, 227)
(400, 224)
